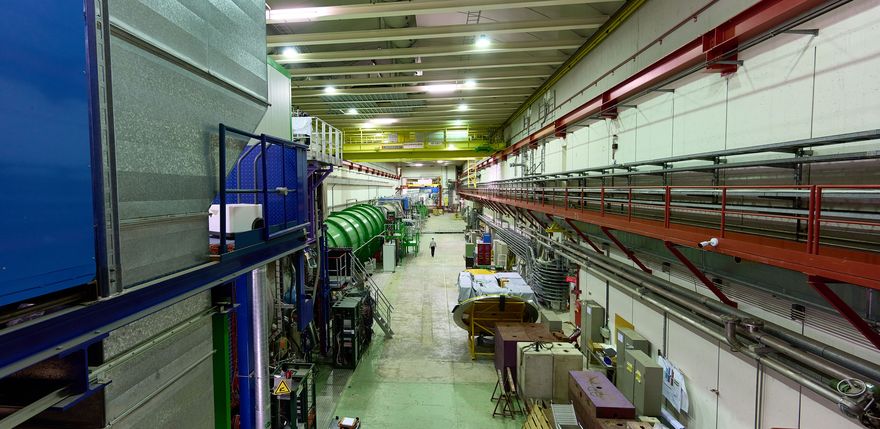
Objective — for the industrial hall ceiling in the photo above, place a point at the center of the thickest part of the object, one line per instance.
(424, 65)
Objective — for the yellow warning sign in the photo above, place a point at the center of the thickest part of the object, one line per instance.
(282, 388)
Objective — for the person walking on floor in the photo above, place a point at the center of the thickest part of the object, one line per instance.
(433, 246)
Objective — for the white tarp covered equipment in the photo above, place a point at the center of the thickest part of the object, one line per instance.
(472, 285)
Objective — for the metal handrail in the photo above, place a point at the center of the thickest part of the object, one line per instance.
(264, 191)
(626, 200)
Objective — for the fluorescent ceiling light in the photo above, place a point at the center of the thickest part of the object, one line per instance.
(351, 111)
(470, 84)
(418, 164)
(383, 121)
(462, 107)
(329, 90)
(297, 14)
(447, 87)
(289, 52)
(483, 41)
(458, 122)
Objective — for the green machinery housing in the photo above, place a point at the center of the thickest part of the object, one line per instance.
(357, 227)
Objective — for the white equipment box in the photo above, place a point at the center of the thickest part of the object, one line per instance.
(239, 217)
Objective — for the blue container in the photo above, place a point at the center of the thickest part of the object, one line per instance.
(46, 208)
(487, 237)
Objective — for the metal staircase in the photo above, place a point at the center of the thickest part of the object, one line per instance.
(382, 307)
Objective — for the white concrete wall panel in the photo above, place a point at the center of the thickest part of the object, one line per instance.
(648, 322)
(700, 115)
(847, 69)
(770, 96)
(818, 413)
(780, 402)
(655, 126)
(737, 384)
(620, 304)
(697, 358)
(598, 145)
(625, 127)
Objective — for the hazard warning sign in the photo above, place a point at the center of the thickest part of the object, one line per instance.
(282, 388)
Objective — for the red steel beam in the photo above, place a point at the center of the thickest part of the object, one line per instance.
(845, 310)
(711, 46)
(838, 264)
(584, 237)
(369, 170)
(543, 225)
(629, 253)
(699, 274)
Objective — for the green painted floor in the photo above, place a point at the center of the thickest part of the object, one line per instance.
(424, 377)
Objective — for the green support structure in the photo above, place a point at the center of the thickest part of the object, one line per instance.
(222, 371)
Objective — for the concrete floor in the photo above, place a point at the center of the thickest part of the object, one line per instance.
(424, 377)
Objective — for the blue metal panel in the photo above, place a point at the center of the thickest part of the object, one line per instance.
(284, 168)
(46, 215)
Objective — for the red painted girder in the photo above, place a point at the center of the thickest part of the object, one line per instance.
(699, 274)
(629, 253)
(845, 310)
(584, 237)
(743, 27)
(848, 266)
(370, 170)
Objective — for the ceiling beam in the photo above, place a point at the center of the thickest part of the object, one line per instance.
(446, 107)
(527, 73)
(414, 67)
(414, 155)
(434, 32)
(426, 51)
(444, 97)
(335, 13)
(475, 114)
(517, 84)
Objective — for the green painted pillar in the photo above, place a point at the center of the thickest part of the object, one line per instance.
(222, 370)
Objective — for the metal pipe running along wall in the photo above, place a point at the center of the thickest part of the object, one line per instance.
(606, 268)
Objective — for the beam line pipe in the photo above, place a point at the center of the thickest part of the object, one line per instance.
(774, 364)
(614, 269)
(832, 354)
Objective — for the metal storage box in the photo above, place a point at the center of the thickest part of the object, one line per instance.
(592, 321)
(647, 384)
(595, 397)
(628, 339)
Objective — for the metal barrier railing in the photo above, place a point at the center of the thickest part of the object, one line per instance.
(805, 209)
(264, 142)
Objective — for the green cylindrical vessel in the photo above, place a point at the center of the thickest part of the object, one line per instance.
(361, 228)
(355, 226)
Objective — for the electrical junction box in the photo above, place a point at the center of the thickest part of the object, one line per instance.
(239, 217)
(592, 321)
(543, 372)
(628, 339)
(389, 257)
(647, 384)
(500, 253)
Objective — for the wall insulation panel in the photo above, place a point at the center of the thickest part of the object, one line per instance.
(167, 116)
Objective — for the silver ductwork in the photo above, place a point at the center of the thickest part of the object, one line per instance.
(260, 335)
